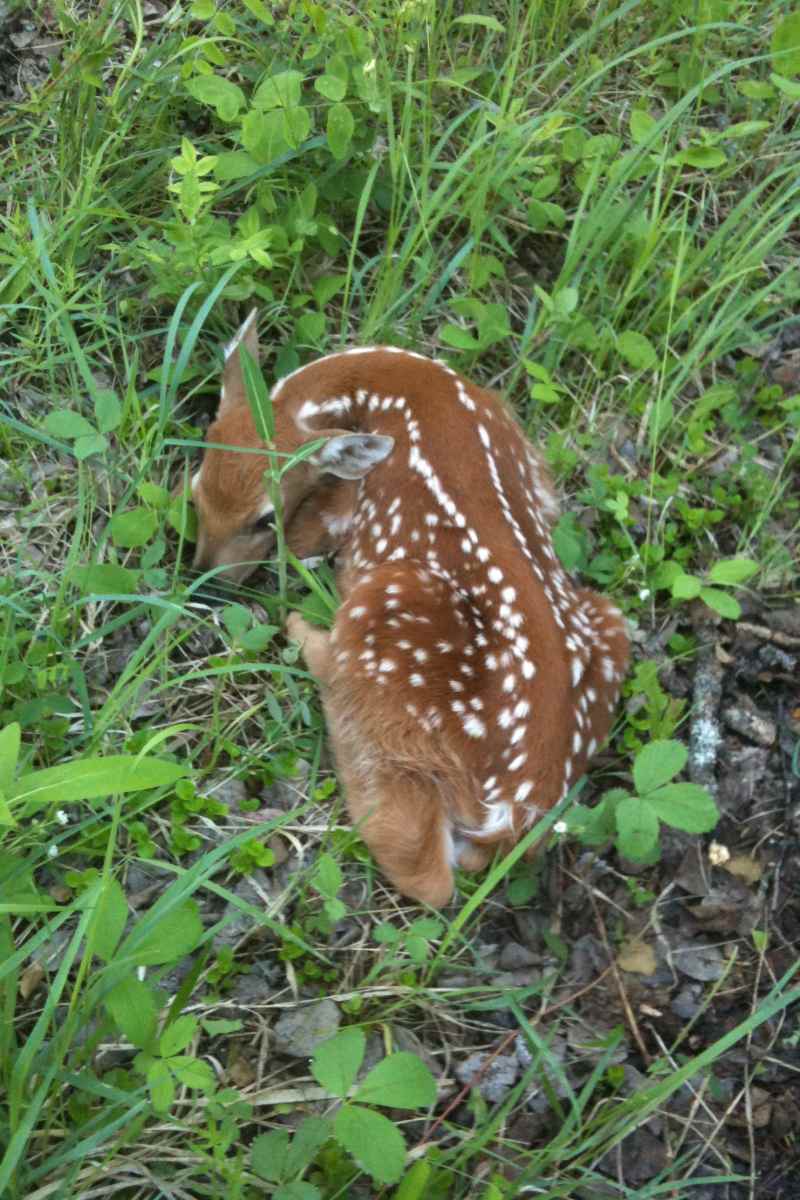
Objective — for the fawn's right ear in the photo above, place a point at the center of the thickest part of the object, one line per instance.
(233, 392)
(353, 455)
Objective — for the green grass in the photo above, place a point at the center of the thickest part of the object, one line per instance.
(593, 207)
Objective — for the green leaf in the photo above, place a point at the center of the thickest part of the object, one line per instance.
(786, 45)
(733, 570)
(105, 578)
(705, 157)
(134, 527)
(336, 1062)
(132, 1007)
(399, 1081)
(787, 86)
(268, 1155)
(340, 129)
(642, 125)
(460, 339)
(637, 827)
(217, 1028)
(153, 494)
(193, 1072)
(218, 93)
(257, 639)
(177, 1036)
(374, 1142)
(415, 1182)
(665, 575)
(93, 779)
(328, 875)
(480, 19)
(67, 424)
(107, 411)
(162, 1088)
(237, 619)
(234, 164)
(112, 919)
(570, 541)
(279, 91)
(686, 587)
(183, 518)
(176, 934)
(311, 1136)
(722, 602)
(296, 125)
(657, 763)
(332, 87)
(260, 10)
(92, 443)
(686, 806)
(636, 349)
(298, 1189)
(9, 753)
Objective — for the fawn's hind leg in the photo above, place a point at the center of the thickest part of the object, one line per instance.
(314, 645)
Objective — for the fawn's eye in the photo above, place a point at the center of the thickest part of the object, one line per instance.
(265, 524)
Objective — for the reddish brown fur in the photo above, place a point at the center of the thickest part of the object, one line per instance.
(466, 682)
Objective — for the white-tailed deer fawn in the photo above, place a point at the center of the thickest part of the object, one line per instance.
(467, 680)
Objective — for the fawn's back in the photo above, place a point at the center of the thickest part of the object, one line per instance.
(467, 680)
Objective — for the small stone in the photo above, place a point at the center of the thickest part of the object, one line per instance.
(298, 1033)
(745, 719)
(513, 957)
(704, 963)
(226, 789)
(494, 1080)
(687, 1003)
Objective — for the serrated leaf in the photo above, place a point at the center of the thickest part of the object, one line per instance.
(375, 1142)
(132, 1007)
(296, 125)
(134, 527)
(309, 1139)
(637, 350)
(786, 45)
(218, 93)
(176, 934)
(399, 1081)
(336, 1062)
(107, 411)
(332, 87)
(193, 1072)
(637, 827)
(685, 806)
(340, 128)
(665, 575)
(733, 570)
(94, 778)
(108, 578)
(177, 1036)
(67, 424)
(112, 918)
(722, 602)
(328, 875)
(9, 753)
(657, 763)
(268, 1155)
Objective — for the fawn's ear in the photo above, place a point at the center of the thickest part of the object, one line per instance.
(353, 455)
(233, 392)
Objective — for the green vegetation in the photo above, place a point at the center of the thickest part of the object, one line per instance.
(593, 207)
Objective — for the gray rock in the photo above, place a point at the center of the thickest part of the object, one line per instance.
(238, 923)
(299, 1032)
(226, 789)
(687, 1003)
(497, 1079)
(699, 962)
(513, 957)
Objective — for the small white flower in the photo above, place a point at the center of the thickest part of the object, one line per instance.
(62, 817)
(141, 973)
(560, 827)
(369, 66)
(644, 593)
(52, 852)
(718, 854)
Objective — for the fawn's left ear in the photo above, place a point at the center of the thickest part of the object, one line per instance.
(353, 455)
(233, 391)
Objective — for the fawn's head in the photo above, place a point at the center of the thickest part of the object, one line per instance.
(236, 515)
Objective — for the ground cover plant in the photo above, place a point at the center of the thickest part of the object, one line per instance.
(206, 989)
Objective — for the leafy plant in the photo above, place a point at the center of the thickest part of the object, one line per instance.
(400, 1080)
(728, 573)
(632, 819)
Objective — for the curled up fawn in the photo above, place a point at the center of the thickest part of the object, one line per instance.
(466, 681)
